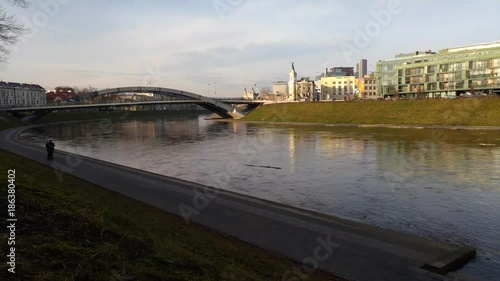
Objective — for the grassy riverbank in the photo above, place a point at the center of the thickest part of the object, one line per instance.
(7, 121)
(74, 230)
(456, 112)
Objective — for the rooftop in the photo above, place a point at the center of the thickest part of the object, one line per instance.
(5, 84)
(495, 44)
(403, 56)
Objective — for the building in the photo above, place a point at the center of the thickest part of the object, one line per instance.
(295, 89)
(280, 89)
(21, 94)
(305, 90)
(317, 89)
(250, 95)
(338, 88)
(473, 69)
(61, 94)
(363, 68)
(367, 87)
(341, 71)
(292, 82)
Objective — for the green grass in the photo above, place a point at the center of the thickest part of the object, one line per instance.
(7, 121)
(463, 112)
(74, 230)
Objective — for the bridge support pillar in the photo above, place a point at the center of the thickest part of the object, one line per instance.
(236, 114)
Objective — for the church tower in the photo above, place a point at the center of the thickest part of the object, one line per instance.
(292, 84)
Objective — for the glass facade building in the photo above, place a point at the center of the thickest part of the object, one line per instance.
(448, 73)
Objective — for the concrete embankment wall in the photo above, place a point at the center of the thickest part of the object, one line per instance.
(456, 112)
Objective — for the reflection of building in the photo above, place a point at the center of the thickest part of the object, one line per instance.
(333, 145)
(19, 94)
(337, 87)
(451, 162)
(292, 149)
(449, 73)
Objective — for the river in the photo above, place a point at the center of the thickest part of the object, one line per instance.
(437, 183)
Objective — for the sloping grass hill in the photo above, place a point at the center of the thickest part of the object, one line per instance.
(456, 112)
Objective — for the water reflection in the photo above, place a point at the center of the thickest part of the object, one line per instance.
(442, 184)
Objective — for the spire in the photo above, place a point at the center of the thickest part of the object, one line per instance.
(293, 67)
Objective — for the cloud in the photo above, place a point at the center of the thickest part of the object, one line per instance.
(107, 44)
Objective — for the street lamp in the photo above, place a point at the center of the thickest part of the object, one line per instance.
(215, 89)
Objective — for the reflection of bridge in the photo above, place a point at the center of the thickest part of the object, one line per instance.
(223, 108)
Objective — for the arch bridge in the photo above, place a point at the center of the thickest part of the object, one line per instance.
(218, 107)
(222, 107)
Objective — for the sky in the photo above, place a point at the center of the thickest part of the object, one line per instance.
(219, 47)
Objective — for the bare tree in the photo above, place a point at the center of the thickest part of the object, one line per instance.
(265, 91)
(20, 3)
(10, 30)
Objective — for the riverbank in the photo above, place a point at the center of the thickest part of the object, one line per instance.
(7, 122)
(74, 230)
(414, 113)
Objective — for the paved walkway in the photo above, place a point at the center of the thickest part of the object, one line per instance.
(345, 248)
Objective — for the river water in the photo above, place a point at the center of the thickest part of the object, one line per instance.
(436, 183)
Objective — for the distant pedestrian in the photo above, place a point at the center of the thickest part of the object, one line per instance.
(50, 146)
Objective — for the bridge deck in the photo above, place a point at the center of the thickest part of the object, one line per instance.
(116, 104)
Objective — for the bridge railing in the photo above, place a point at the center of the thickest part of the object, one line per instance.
(227, 98)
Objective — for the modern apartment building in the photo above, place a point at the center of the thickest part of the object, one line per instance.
(448, 73)
(21, 94)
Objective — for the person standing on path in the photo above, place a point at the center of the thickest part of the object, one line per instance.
(50, 149)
